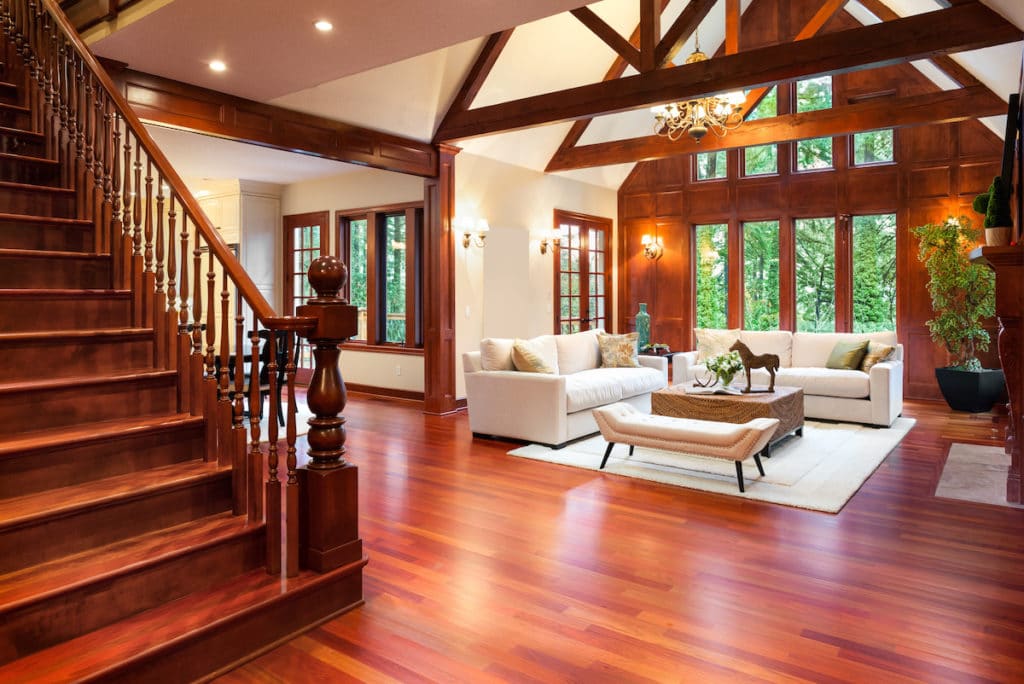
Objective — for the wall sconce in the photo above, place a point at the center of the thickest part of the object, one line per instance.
(551, 238)
(653, 247)
(466, 227)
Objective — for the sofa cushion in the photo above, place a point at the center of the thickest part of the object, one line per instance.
(778, 342)
(618, 351)
(496, 354)
(813, 349)
(590, 388)
(876, 354)
(537, 355)
(712, 341)
(826, 382)
(578, 352)
(635, 381)
(847, 354)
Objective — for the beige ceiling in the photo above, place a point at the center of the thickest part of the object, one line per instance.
(395, 65)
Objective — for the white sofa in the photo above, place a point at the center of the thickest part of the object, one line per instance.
(873, 398)
(552, 409)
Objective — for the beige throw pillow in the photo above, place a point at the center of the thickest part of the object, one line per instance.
(712, 342)
(618, 351)
(847, 355)
(528, 356)
(876, 354)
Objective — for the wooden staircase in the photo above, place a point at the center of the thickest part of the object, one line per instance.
(120, 556)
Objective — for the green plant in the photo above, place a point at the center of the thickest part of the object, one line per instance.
(963, 294)
(725, 366)
(994, 204)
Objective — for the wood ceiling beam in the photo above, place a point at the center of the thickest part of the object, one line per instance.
(478, 73)
(680, 30)
(732, 27)
(965, 27)
(650, 32)
(943, 107)
(610, 36)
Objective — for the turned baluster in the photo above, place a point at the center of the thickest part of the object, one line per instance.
(273, 485)
(80, 111)
(171, 353)
(107, 167)
(214, 445)
(126, 215)
(184, 329)
(87, 115)
(291, 488)
(158, 297)
(243, 500)
(148, 252)
(255, 455)
(225, 452)
(116, 227)
(197, 360)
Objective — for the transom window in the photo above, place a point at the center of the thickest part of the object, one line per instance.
(711, 165)
(873, 147)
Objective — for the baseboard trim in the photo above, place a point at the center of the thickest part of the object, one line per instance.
(391, 393)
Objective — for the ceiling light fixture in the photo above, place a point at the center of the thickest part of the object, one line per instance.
(717, 113)
(323, 26)
(217, 65)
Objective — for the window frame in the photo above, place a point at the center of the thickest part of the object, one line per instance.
(696, 167)
(870, 165)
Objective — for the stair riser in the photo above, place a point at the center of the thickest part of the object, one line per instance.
(22, 171)
(78, 356)
(41, 409)
(15, 119)
(96, 526)
(30, 314)
(63, 617)
(73, 238)
(37, 471)
(37, 203)
(20, 143)
(89, 273)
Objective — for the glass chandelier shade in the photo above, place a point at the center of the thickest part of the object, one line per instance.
(716, 113)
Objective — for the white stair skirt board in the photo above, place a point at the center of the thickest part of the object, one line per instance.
(975, 473)
(820, 471)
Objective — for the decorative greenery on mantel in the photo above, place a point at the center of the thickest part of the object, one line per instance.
(963, 294)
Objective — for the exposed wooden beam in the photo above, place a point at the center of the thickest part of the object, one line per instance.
(732, 27)
(610, 36)
(650, 32)
(681, 29)
(966, 27)
(943, 107)
(489, 53)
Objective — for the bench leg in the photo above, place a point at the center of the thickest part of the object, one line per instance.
(767, 451)
(739, 475)
(757, 460)
(631, 447)
(607, 453)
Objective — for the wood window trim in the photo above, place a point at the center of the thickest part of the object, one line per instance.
(851, 147)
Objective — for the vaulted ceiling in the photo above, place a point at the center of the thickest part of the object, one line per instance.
(397, 65)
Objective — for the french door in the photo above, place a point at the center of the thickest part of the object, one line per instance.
(305, 239)
(582, 270)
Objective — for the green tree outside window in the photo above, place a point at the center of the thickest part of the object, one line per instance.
(874, 273)
(394, 277)
(873, 147)
(815, 240)
(761, 275)
(712, 275)
(711, 165)
(357, 272)
(813, 94)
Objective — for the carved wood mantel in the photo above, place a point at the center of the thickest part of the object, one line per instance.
(1008, 263)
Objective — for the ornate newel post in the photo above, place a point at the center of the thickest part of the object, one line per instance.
(328, 485)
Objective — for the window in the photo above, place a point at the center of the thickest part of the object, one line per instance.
(761, 275)
(812, 154)
(711, 165)
(767, 107)
(873, 147)
(302, 244)
(874, 273)
(815, 240)
(582, 276)
(712, 250)
(813, 94)
(762, 159)
(382, 247)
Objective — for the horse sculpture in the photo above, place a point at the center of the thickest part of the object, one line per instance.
(770, 362)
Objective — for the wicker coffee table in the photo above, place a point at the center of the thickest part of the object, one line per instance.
(785, 403)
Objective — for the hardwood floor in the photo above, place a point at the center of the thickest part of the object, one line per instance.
(485, 567)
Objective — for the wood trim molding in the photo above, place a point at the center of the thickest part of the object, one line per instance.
(388, 392)
(163, 101)
(966, 27)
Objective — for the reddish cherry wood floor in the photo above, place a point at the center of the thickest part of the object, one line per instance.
(485, 567)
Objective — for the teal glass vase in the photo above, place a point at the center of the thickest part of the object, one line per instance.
(643, 327)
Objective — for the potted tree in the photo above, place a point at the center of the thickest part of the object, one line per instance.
(994, 205)
(963, 295)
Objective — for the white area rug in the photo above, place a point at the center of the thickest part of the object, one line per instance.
(975, 473)
(301, 425)
(819, 471)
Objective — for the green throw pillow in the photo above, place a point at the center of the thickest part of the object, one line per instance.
(847, 355)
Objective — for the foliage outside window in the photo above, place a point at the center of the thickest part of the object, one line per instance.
(394, 278)
(815, 240)
(873, 147)
(711, 165)
(761, 275)
(760, 160)
(712, 245)
(767, 107)
(813, 94)
(812, 154)
(581, 272)
(874, 273)
(357, 272)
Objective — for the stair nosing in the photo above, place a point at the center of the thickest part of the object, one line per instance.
(85, 381)
(51, 439)
(28, 159)
(21, 109)
(51, 254)
(56, 220)
(32, 187)
(11, 130)
(64, 292)
(77, 333)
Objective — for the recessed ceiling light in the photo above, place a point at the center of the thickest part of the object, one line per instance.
(323, 25)
(218, 65)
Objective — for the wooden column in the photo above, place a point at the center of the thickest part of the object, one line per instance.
(439, 286)
(1008, 263)
(328, 485)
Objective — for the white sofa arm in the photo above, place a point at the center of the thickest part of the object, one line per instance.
(658, 363)
(886, 386)
(471, 362)
(530, 406)
(681, 365)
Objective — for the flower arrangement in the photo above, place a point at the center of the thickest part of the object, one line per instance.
(725, 366)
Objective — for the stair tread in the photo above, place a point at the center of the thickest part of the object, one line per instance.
(20, 109)
(62, 292)
(94, 432)
(76, 333)
(32, 187)
(22, 510)
(30, 218)
(28, 158)
(34, 583)
(50, 254)
(79, 380)
(20, 131)
(153, 630)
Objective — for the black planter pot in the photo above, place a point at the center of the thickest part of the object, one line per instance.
(973, 391)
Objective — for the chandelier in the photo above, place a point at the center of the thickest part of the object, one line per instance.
(717, 113)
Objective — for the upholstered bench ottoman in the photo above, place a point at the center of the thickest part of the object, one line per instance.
(621, 423)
